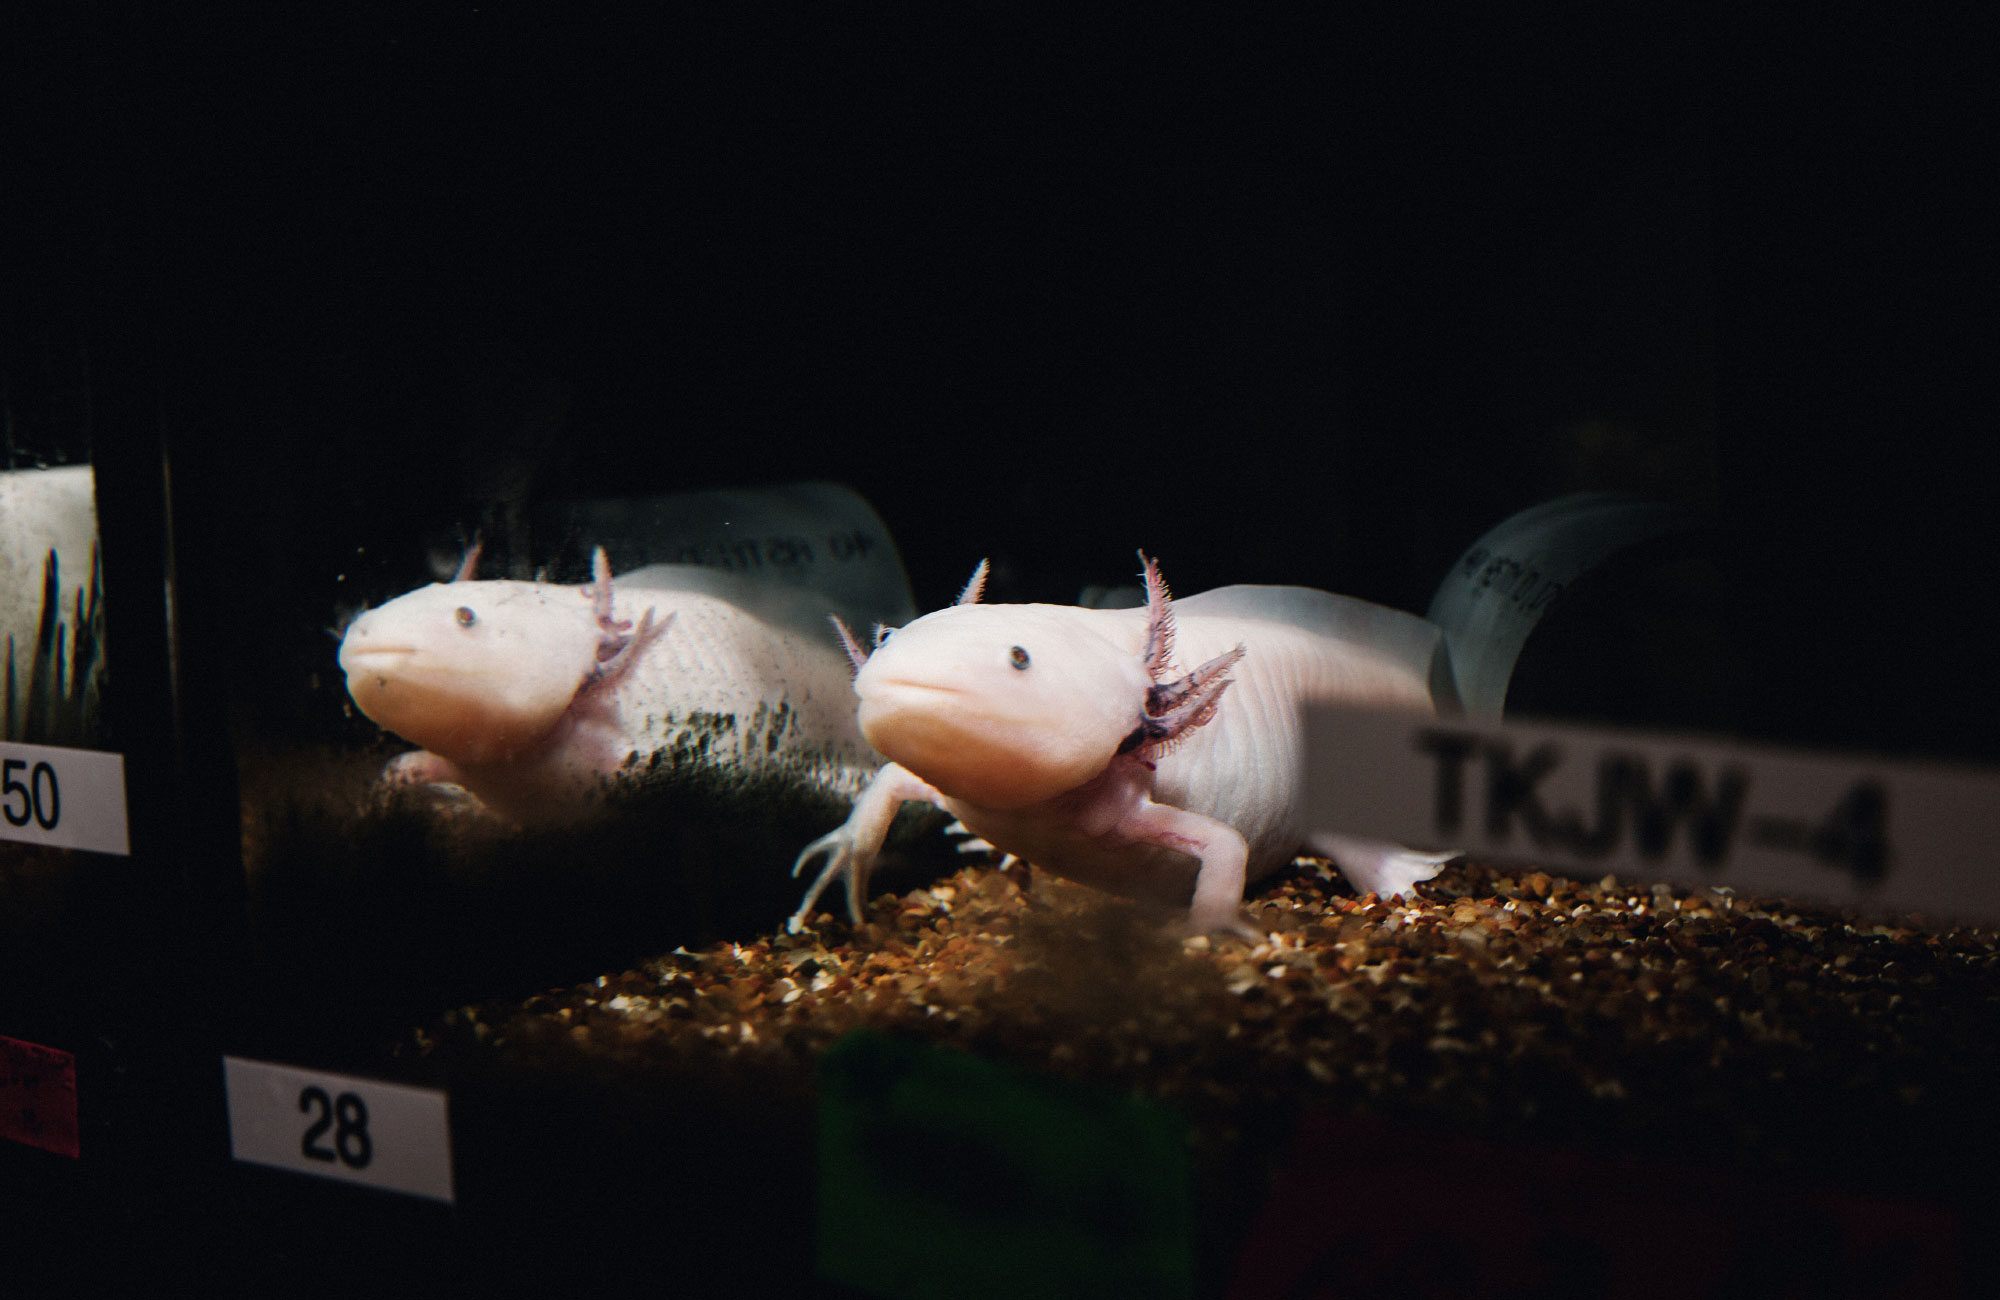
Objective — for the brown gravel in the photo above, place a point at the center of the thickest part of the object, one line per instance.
(1687, 1024)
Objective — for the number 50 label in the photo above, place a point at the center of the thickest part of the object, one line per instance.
(386, 1135)
(67, 798)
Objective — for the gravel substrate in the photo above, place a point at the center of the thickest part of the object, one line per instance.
(1687, 1025)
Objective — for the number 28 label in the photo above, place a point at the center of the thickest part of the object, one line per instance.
(385, 1135)
(347, 1116)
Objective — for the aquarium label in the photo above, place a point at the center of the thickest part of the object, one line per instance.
(385, 1135)
(1493, 598)
(819, 536)
(1890, 835)
(38, 1096)
(65, 798)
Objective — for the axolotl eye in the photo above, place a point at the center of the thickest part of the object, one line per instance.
(465, 616)
(1019, 658)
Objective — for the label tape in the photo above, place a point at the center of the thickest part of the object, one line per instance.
(1846, 830)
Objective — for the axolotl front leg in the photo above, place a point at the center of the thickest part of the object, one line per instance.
(852, 847)
(1114, 810)
(1218, 886)
(1118, 808)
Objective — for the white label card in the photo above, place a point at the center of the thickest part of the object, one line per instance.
(1887, 835)
(386, 1135)
(67, 798)
(1491, 601)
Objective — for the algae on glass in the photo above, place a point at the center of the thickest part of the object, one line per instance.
(51, 630)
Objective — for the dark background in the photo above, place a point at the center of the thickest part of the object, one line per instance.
(1300, 299)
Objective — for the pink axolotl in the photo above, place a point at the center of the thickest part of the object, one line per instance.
(1067, 737)
(530, 695)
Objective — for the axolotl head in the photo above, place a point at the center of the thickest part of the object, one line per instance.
(1001, 705)
(476, 672)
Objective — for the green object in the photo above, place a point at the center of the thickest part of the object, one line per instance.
(944, 1175)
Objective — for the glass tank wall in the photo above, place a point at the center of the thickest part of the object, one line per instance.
(999, 339)
(528, 400)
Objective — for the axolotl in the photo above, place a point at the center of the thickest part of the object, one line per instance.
(1067, 737)
(530, 695)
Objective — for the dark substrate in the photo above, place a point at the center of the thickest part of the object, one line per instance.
(1714, 1042)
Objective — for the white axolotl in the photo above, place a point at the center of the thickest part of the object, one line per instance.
(529, 695)
(1064, 736)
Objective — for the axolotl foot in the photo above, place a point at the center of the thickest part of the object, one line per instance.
(1374, 866)
(1234, 924)
(419, 767)
(437, 776)
(850, 849)
(841, 849)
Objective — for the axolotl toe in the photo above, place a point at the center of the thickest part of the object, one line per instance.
(1068, 737)
(529, 695)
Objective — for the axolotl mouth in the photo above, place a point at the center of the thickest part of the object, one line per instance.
(364, 642)
(457, 715)
(405, 688)
(907, 713)
(375, 667)
(902, 692)
(381, 682)
(971, 746)
(375, 657)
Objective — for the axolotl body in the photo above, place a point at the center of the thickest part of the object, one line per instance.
(1066, 737)
(531, 695)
